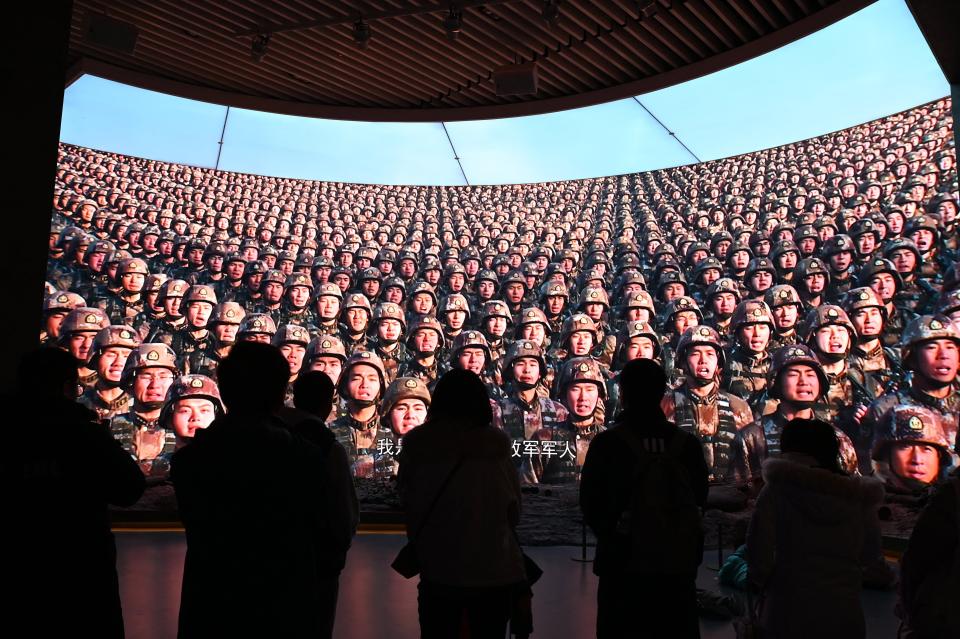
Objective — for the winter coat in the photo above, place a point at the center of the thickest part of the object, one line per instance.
(468, 537)
(252, 499)
(810, 536)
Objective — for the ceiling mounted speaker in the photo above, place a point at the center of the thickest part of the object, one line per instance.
(110, 33)
(516, 79)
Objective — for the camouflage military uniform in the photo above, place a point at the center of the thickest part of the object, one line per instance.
(745, 375)
(527, 425)
(774, 423)
(947, 411)
(368, 459)
(413, 368)
(191, 350)
(125, 427)
(105, 410)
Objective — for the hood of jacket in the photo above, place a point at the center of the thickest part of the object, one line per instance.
(819, 494)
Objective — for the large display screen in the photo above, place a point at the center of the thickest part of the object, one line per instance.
(831, 261)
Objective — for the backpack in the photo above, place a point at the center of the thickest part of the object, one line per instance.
(661, 531)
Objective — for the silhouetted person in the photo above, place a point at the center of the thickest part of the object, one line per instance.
(461, 494)
(929, 568)
(813, 531)
(643, 484)
(60, 469)
(263, 551)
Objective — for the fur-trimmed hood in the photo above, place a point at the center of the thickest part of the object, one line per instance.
(820, 494)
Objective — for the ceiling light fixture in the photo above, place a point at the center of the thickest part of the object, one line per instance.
(361, 33)
(453, 22)
(258, 46)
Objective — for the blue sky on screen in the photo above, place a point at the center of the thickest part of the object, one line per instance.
(869, 65)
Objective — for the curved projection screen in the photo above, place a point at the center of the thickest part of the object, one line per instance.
(831, 261)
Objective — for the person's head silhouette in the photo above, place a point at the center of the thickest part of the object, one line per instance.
(253, 378)
(313, 393)
(642, 385)
(813, 438)
(461, 398)
(48, 372)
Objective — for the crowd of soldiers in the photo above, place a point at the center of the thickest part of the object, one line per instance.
(814, 279)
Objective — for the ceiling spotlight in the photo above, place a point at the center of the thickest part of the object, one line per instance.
(649, 8)
(361, 33)
(258, 47)
(551, 12)
(453, 22)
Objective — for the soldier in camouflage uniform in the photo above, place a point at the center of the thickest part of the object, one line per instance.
(881, 276)
(326, 308)
(732, 440)
(913, 455)
(421, 302)
(513, 291)
(224, 324)
(454, 314)
(748, 360)
(361, 385)
(553, 300)
(721, 299)
(424, 341)
(256, 327)
(56, 307)
(495, 321)
(471, 352)
(193, 402)
(595, 303)
(581, 389)
(230, 285)
(873, 366)
(797, 382)
(831, 336)
(77, 333)
(292, 340)
(194, 339)
(914, 294)
(171, 298)
(838, 252)
(295, 308)
(404, 407)
(787, 309)
(526, 416)
(678, 315)
(152, 311)
(108, 355)
(930, 348)
(389, 325)
(811, 279)
(124, 307)
(148, 374)
(92, 276)
(354, 323)
(271, 295)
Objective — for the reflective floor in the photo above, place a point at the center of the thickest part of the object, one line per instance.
(375, 602)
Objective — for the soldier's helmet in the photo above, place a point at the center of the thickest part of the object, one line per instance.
(356, 300)
(427, 323)
(368, 358)
(594, 295)
(454, 302)
(190, 387)
(118, 335)
(782, 295)
(786, 356)
(826, 315)
(291, 334)
(514, 277)
(759, 264)
(810, 266)
(680, 305)
(371, 273)
(227, 313)
(949, 303)
(862, 297)
(149, 355)
(424, 287)
(154, 283)
(700, 336)
(839, 243)
(554, 289)
(913, 425)
(578, 322)
(83, 319)
(495, 308)
(132, 265)
(640, 328)
(389, 311)
(533, 315)
(922, 329)
(273, 275)
(469, 339)
(200, 293)
(171, 289)
(705, 265)
(520, 349)
(257, 323)
(325, 346)
(632, 277)
(404, 388)
(298, 279)
(62, 301)
(581, 369)
(641, 299)
(901, 243)
(876, 266)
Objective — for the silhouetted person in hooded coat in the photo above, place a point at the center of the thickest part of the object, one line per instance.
(60, 469)
(252, 500)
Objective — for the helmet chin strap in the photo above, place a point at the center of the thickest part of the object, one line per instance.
(525, 386)
(832, 358)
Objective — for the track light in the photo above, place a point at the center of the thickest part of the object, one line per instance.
(361, 33)
(551, 12)
(258, 47)
(453, 22)
(649, 8)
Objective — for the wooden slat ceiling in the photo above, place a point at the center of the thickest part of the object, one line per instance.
(597, 50)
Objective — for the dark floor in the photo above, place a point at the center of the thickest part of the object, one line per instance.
(151, 563)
